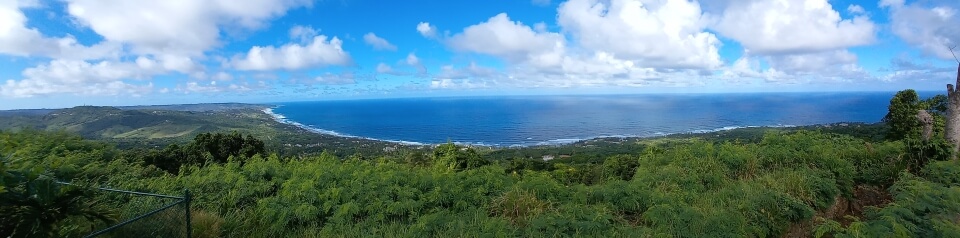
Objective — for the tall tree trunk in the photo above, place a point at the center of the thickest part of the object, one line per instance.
(953, 115)
(926, 120)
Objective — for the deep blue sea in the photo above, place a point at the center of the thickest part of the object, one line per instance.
(536, 120)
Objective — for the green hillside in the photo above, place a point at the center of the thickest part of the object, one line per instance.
(158, 126)
(114, 123)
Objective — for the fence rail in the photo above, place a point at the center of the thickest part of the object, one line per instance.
(161, 216)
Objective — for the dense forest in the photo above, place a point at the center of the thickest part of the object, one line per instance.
(780, 183)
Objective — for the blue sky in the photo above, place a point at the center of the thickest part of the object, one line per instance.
(95, 52)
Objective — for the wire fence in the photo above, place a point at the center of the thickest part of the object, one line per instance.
(146, 214)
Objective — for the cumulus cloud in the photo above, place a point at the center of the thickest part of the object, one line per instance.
(384, 69)
(595, 53)
(792, 26)
(855, 9)
(427, 30)
(812, 62)
(80, 77)
(410, 65)
(302, 33)
(16, 39)
(378, 43)
(414, 61)
(178, 63)
(293, 56)
(747, 67)
(652, 33)
(839, 65)
(502, 37)
(184, 27)
(930, 26)
(818, 67)
(163, 37)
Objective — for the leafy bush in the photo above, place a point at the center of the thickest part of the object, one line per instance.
(923, 207)
(685, 188)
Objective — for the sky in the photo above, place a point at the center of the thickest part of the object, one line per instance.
(64, 53)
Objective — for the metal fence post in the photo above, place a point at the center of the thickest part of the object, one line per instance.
(186, 200)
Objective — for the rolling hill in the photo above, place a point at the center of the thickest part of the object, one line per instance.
(157, 126)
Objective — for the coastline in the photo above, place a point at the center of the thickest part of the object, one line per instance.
(283, 119)
(553, 142)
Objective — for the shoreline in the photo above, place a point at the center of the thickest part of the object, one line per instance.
(553, 142)
(279, 118)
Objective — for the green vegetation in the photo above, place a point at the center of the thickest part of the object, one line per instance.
(160, 126)
(689, 188)
(205, 148)
(837, 181)
(902, 114)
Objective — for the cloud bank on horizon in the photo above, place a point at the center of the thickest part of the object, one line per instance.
(72, 52)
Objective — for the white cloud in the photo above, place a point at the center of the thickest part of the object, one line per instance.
(411, 60)
(79, 77)
(336, 79)
(891, 3)
(595, 57)
(666, 34)
(181, 64)
(600, 69)
(180, 27)
(513, 41)
(195, 87)
(166, 63)
(319, 52)
(932, 27)
(855, 9)
(302, 33)
(16, 39)
(750, 67)
(378, 43)
(223, 76)
(28, 3)
(426, 30)
(405, 65)
(214, 87)
(164, 37)
(902, 68)
(414, 61)
(384, 69)
(792, 26)
(76, 72)
(820, 67)
(470, 71)
(812, 62)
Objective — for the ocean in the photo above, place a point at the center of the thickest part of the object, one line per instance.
(542, 120)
